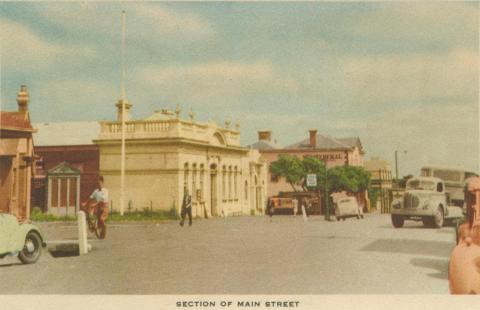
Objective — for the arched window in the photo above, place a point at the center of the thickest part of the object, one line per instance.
(224, 185)
(194, 182)
(185, 175)
(235, 182)
(246, 191)
(230, 182)
(202, 175)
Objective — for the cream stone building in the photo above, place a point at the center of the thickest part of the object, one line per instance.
(165, 154)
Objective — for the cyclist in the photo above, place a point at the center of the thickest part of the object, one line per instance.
(98, 203)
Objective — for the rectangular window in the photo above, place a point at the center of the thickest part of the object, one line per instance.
(274, 178)
(73, 192)
(63, 192)
(54, 193)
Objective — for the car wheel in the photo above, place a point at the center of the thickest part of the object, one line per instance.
(338, 218)
(32, 249)
(438, 218)
(397, 221)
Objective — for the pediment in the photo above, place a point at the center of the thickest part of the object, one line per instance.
(64, 169)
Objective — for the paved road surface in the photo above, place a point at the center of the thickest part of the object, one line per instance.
(244, 255)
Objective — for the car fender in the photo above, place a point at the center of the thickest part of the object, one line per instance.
(17, 240)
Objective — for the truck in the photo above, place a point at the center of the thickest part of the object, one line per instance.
(454, 181)
(425, 199)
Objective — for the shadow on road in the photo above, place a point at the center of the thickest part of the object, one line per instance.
(440, 266)
(407, 246)
(10, 264)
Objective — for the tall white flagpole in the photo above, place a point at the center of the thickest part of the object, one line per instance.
(122, 165)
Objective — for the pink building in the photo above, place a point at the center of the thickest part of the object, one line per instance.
(333, 151)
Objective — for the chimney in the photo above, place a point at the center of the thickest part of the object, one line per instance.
(22, 99)
(265, 135)
(313, 138)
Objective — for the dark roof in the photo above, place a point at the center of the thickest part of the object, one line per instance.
(18, 121)
(66, 133)
(263, 145)
(351, 141)
(326, 143)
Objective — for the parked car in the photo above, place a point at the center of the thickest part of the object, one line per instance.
(20, 239)
(347, 207)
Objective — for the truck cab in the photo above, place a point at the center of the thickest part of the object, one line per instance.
(425, 200)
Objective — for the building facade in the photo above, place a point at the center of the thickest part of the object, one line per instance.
(165, 154)
(16, 158)
(333, 151)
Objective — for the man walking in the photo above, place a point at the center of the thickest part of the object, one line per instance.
(186, 208)
(295, 206)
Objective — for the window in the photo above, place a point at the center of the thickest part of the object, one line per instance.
(202, 175)
(185, 176)
(194, 182)
(235, 183)
(440, 187)
(246, 190)
(274, 178)
(230, 182)
(224, 185)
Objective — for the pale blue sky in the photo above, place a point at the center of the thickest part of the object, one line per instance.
(402, 76)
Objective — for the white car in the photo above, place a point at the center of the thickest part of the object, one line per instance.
(347, 207)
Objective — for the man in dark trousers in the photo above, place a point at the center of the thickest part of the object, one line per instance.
(186, 208)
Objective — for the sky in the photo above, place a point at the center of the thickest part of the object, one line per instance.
(403, 76)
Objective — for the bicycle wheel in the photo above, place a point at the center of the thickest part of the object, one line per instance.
(101, 231)
(92, 223)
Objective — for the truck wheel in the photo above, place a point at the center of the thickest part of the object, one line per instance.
(438, 218)
(32, 249)
(397, 221)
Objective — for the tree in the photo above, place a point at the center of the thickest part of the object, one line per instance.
(344, 178)
(313, 165)
(348, 178)
(291, 168)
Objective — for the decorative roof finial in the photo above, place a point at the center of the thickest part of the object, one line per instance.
(191, 115)
(227, 123)
(237, 126)
(178, 110)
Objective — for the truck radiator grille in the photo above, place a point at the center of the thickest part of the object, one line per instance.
(410, 201)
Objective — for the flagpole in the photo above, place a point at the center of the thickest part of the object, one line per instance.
(122, 160)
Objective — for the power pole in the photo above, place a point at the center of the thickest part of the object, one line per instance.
(122, 160)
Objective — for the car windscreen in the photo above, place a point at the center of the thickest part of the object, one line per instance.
(421, 185)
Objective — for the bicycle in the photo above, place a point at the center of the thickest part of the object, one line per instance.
(93, 214)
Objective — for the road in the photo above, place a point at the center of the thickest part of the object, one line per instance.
(244, 255)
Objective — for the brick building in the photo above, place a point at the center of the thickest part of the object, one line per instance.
(67, 166)
(333, 151)
(16, 158)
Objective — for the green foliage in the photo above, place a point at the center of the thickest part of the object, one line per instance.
(145, 215)
(348, 178)
(289, 167)
(313, 165)
(344, 178)
(38, 216)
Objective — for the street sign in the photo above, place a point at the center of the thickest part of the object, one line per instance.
(311, 180)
